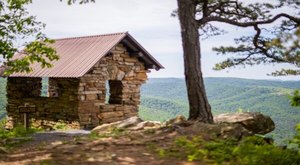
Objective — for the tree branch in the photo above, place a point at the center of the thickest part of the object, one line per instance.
(205, 20)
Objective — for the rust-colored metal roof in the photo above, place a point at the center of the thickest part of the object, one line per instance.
(79, 54)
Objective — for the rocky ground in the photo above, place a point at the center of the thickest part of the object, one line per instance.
(65, 148)
(132, 141)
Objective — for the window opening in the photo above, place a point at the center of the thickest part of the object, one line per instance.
(45, 87)
(114, 89)
(107, 94)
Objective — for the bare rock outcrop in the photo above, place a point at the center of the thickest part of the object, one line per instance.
(253, 122)
(133, 124)
(236, 125)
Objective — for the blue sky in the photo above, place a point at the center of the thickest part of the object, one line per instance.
(151, 24)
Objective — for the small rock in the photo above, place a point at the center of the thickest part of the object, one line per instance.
(113, 156)
(3, 150)
(91, 159)
(9, 123)
(146, 124)
(56, 143)
(129, 122)
(152, 123)
(127, 160)
(146, 154)
(177, 120)
(98, 148)
(105, 127)
(120, 75)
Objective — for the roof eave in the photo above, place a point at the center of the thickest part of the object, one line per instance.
(145, 52)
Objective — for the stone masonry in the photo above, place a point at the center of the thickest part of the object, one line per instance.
(118, 77)
(27, 91)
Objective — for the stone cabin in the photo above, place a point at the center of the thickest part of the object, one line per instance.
(96, 80)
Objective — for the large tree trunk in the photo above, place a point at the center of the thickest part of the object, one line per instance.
(200, 109)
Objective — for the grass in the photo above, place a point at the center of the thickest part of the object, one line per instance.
(18, 135)
(250, 151)
(16, 132)
(60, 125)
(114, 132)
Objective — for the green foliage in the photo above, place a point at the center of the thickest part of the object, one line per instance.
(191, 148)
(70, 2)
(287, 44)
(113, 132)
(295, 98)
(2, 123)
(253, 153)
(270, 42)
(60, 125)
(250, 151)
(15, 137)
(240, 110)
(16, 25)
(295, 142)
(94, 135)
(16, 132)
(47, 162)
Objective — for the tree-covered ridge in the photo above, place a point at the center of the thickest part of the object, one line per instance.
(166, 98)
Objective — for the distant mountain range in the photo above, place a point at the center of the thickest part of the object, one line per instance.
(165, 98)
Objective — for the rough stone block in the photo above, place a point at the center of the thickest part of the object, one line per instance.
(91, 97)
(106, 115)
(131, 60)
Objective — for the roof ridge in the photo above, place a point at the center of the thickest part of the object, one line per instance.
(91, 36)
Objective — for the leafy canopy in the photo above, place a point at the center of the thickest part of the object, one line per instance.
(70, 2)
(17, 25)
(276, 33)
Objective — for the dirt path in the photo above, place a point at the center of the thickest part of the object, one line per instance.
(75, 148)
(54, 136)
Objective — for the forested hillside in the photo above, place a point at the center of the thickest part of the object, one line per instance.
(165, 98)
(2, 96)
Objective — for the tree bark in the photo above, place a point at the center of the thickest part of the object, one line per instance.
(199, 108)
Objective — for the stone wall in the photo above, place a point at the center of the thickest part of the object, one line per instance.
(62, 107)
(83, 99)
(124, 74)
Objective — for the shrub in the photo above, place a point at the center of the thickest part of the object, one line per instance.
(60, 125)
(249, 151)
(295, 142)
(15, 137)
(114, 132)
(16, 132)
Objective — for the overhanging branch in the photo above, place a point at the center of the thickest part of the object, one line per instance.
(205, 20)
